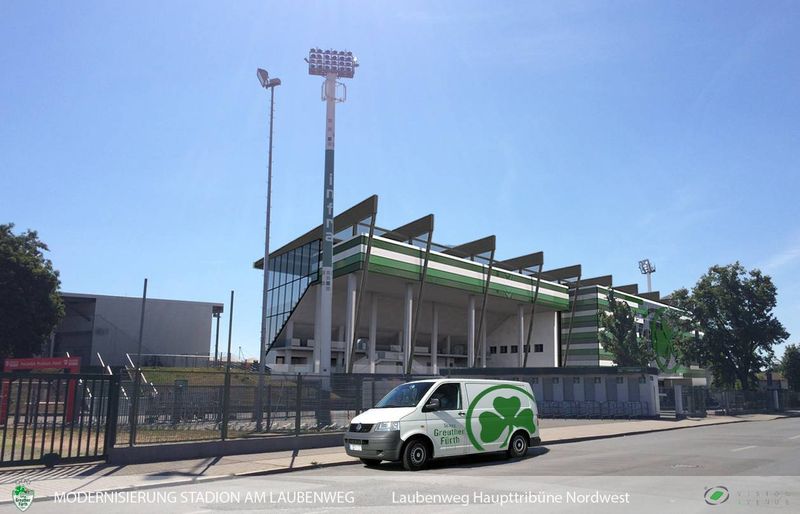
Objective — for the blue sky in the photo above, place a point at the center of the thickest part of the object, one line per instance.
(133, 135)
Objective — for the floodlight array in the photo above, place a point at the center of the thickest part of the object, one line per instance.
(322, 62)
(645, 266)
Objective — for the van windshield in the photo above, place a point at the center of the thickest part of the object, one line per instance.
(406, 395)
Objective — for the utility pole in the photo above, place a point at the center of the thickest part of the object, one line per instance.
(266, 83)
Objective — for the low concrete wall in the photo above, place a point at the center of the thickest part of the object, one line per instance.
(204, 449)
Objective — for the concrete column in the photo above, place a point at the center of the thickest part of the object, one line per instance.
(678, 400)
(521, 333)
(350, 319)
(775, 401)
(317, 334)
(483, 343)
(408, 305)
(435, 341)
(471, 332)
(289, 336)
(373, 333)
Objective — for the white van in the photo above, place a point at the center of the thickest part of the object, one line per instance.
(428, 419)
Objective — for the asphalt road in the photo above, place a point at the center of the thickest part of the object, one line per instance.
(757, 463)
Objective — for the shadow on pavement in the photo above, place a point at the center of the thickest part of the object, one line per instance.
(466, 462)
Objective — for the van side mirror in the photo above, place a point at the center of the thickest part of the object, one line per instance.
(432, 405)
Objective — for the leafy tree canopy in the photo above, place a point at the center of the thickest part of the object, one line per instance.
(30, 306)
(790, 366)
(733, 308)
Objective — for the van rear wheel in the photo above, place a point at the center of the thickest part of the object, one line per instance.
(415, 455)
(518, 445)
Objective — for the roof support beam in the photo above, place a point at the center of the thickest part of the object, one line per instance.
(479, 339)
(532, 316)
(572, 319)
(362, 286)
(418, 306)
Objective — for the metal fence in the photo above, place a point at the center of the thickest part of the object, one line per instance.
(52, 418)
(190, 404)
(592, 409)
(732, 401)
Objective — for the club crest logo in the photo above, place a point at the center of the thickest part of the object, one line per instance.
(22, 496)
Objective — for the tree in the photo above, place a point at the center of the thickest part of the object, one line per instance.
(790, 366)
(733, 308)
(619, 337)
(30, 306)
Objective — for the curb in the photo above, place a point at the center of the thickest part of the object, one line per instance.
(624, 434)
(201, 479)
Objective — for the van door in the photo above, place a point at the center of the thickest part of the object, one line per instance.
(446, 426)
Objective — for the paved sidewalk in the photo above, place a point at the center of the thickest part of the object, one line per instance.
(101, 477)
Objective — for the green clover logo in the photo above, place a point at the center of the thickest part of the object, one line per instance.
(661, 335)
(504, 416)
(508, 417)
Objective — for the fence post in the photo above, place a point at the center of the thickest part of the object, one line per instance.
(133, 414)
(269, 404)
(298, 404)
(112, 415)
(226, 400)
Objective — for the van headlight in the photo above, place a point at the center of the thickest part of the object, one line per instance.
(387, 426)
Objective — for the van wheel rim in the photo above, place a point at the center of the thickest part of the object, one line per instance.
(418, 454)
(519, 444)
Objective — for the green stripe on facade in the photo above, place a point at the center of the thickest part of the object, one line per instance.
(412, 271)
(450, 261)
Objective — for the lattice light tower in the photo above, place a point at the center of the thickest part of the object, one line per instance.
(647, 268)
(332, 65)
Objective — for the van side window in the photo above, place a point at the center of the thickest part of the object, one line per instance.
(449, 396)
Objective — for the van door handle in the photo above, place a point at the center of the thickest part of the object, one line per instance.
(460, 413)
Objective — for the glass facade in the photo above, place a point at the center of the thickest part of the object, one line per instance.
(289, 276)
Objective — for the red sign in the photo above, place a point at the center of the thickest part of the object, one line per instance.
(74, 363)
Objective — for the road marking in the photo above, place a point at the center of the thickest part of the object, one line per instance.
(743, 448)
(795, 437)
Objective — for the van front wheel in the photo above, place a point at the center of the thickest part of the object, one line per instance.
(518, 445)
(415, 455)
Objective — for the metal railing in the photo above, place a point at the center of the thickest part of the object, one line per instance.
(51, 418)
(190, 404)
(593, 409)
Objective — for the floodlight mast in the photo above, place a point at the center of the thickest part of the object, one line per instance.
(647, 268)
(332, 65)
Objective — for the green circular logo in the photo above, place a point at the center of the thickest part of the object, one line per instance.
(716, 495)
(502, 416)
